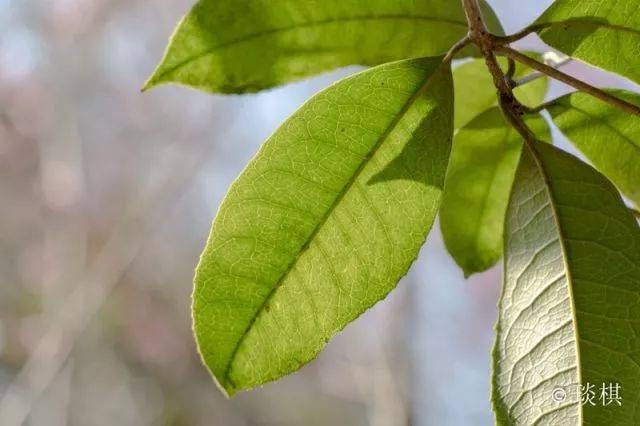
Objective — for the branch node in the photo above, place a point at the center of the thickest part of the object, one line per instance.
(569, 80)
(486, 42)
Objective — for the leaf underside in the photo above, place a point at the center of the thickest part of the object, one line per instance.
(324, 221)
(604, 33)
(483, 163)
(239, 46)
(607, 136)
(570, 305)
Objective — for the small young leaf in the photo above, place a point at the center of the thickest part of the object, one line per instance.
(604, 33)
(475, 92)
(483, 163)
(238, 46)
(324, 221)
(608, 137)
(570, 305)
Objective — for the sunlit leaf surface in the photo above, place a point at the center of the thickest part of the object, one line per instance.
(608, 137)
(483, 164)
(324, 221)
(236, 46)
(604, 33)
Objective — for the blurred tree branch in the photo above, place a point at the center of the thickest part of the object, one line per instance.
(67, 324)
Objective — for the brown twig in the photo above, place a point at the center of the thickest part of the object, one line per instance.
(461, 44)
(481, 37)
(490, 44)
(502, 40)
(567, 79)
(537, 74)
(511, 72)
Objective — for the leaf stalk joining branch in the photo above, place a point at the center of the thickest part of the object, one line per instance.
(486, 42)
(567, 79)
(490, 45)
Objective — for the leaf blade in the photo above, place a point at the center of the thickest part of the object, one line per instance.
(603, 33)
(483, 164)
(245, 46)
(609, 138)
(275, 281)
(568, 311)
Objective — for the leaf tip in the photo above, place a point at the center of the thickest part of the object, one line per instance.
(226, 386)
(151, 82)
(228, 392)
(470, 269)
(475, 266)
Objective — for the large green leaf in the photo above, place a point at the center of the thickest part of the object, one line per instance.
(324, 221)
(608, 137)
(605, 33)
(570, 305)
(236, 46)
(483, 164)
(475, 92)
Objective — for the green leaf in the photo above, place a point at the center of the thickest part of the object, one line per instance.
(607, 136)
(475, 92)
(604, 33)
(483, 164)
(324, 221)
(570, 304)
(238, 46)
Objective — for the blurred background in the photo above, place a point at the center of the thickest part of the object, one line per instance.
(106, 198)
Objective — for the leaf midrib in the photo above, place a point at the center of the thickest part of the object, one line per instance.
(389, 17)
(366, 158)
(567, 270)
(539, 28)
